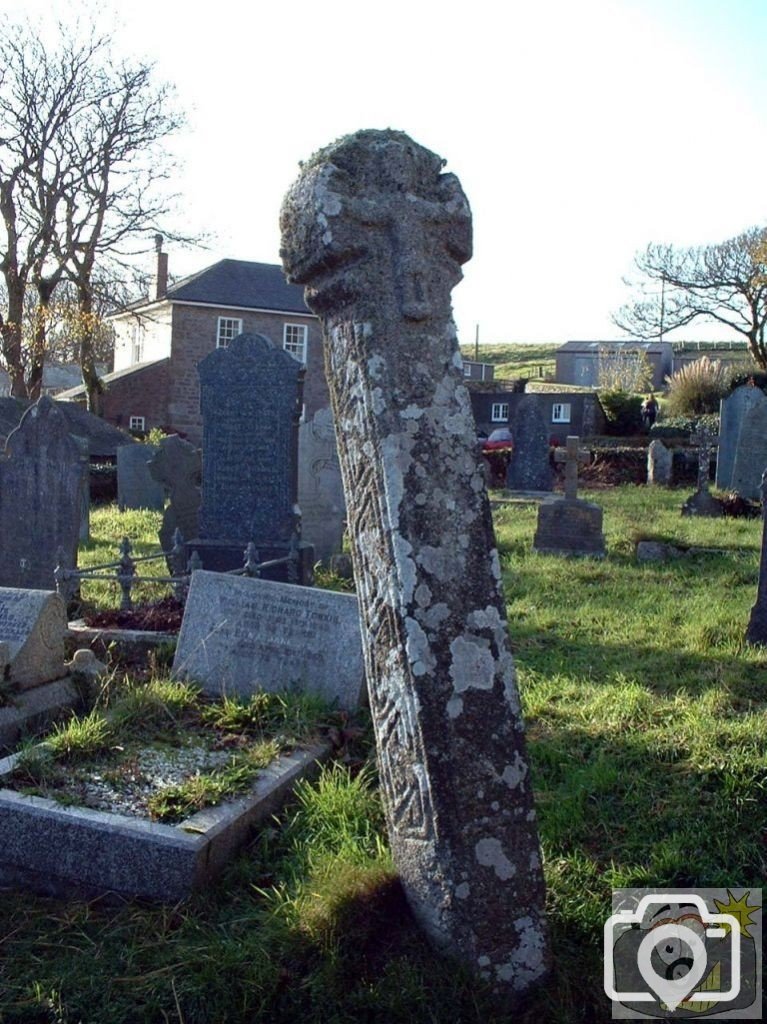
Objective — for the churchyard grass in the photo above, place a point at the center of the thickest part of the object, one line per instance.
(108, 527)
(646, 718)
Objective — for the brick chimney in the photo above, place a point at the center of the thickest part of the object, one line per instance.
(161, 276)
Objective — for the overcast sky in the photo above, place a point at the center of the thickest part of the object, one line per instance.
(580, 129)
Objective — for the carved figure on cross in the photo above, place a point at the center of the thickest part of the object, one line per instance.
(571, 455)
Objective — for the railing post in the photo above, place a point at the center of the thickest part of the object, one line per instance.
(252, 567)
(63, 578)
(125, 574)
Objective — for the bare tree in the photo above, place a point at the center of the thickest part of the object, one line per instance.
(725, 283)
(83, 182)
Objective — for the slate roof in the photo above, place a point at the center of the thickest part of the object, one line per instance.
(108, 378)
(103, 439)
(236, 283)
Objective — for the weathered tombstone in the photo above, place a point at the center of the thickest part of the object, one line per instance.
(529, 467)
(40, 485)
(250, 400)
(32, 627)
(750, 448)
(320, 488)
(377, 234)
(756, 633)
(659, 464)
(702, 502)
(241, 635)
(136, 487)
(85, 488)
(742, 453)
(176, 466)
(570, 526)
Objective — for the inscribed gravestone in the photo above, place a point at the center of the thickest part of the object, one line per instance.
(240, 635)
(529, 468)
(733, 412)
(32, 625)
(750, 457)
(136, 487)
(250, 398)
(40, 483)
(320, 488)
(377, 233)
(177, 467)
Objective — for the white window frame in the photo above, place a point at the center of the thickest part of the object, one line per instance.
(228, 328)
(499, 412)
(137, 343)
(137, 423)
(295, 338)
(561, 412)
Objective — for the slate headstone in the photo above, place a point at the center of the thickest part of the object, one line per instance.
(40, 487)
(529, 467)
(659, 464)
(32, 625)
(136, 487)
(241, 635)
(756, 632)
(733, 412)
(378, 233)
(320, 487)
(750, 457)
(250, 399)
(85, 488)
(177, 467)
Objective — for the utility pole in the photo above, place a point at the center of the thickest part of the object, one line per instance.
(476, 344)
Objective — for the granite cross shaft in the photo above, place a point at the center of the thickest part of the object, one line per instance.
(706, 443)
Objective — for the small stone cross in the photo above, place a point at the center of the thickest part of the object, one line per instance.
(571, 455)
(706, 442)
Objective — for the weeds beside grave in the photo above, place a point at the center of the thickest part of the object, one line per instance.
(646, 718)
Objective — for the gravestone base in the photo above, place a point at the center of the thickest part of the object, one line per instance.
(570, 527)
(32, 710)
(223, 556)
(703, 503)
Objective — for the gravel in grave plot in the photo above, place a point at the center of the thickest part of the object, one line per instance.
(126, 785)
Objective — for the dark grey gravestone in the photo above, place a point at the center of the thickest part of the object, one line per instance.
(751, 449)
(756, 633)
(32, 625)
(570, 526)
(529, 467)
(733, 411)
(659, 464)
(85, 488)
(320, 487)
(378, 234)
(136, 487)
(177, 467)
(250, 398)
(40, 485)
(242, 635)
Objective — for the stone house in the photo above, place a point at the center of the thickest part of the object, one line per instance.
(160, 341)
(565, 412)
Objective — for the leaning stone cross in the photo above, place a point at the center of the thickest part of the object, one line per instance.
(706, 442)
(377, 234)
(571, 455)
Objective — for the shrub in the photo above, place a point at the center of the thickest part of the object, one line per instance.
(697, 387)
(674, 426)
(623, 412)
(740, 377)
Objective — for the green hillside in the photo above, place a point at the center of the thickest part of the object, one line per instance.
(515, 359)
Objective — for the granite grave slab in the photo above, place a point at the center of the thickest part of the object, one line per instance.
(529, 466)
(240, 635)
(733, 472)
